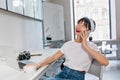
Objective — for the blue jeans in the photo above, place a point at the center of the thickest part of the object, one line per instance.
(69, 74)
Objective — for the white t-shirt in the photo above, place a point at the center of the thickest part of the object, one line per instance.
(76, 57)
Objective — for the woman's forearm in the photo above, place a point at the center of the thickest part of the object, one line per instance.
(97, 55)
(45, 62)
(50, 59)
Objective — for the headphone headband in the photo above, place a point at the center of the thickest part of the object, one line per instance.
(92, 25)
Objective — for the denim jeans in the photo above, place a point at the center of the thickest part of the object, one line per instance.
(69, 74)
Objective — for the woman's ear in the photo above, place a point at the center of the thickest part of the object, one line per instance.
(87, 27)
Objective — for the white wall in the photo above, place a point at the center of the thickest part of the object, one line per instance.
(20, 32)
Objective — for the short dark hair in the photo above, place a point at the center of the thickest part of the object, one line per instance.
(86, 22)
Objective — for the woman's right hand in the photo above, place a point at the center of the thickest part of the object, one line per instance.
(28, 67)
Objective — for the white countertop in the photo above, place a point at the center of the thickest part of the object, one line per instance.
(8, 73)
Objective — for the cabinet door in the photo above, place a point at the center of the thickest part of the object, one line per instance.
(53, 21)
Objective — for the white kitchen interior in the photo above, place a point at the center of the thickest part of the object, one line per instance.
(41, 27)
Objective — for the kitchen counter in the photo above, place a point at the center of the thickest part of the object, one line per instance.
(8, 73)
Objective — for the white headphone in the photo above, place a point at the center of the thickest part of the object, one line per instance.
(92, 25)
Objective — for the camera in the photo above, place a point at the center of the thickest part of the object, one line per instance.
(25, 55)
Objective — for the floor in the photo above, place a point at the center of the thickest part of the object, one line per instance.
(112, 71)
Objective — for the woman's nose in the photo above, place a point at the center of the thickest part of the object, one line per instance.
(78, 26)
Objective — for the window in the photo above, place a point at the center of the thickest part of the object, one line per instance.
(97, 10)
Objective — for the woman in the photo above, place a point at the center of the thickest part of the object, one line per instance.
(78, 53)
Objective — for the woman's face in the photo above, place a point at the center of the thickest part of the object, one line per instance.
(80, 28)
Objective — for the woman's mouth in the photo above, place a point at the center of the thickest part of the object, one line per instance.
(78, 31)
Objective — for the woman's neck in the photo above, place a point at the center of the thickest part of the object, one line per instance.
(78, 40)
